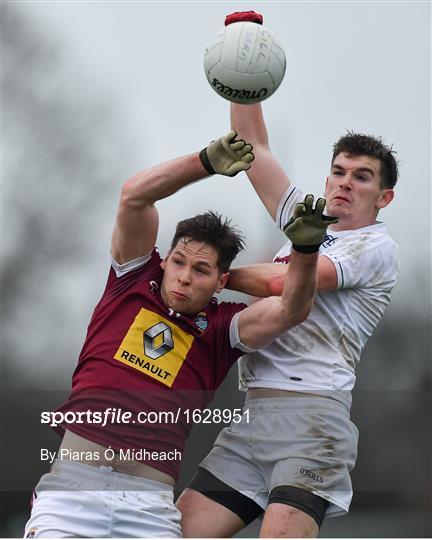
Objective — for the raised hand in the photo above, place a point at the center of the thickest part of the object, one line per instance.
(308, 226)
(227, 155)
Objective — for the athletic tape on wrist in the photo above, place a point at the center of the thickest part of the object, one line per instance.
(307, 249)
(205, 161)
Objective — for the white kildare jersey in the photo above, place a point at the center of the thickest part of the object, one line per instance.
(320, 355)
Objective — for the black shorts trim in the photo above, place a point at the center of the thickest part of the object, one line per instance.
(216, 490)
(301, 499)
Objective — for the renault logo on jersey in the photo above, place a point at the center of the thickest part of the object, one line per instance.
(158, 340)
(155, 346)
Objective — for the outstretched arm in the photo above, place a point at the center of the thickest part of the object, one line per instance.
(137, 220)
(267, 279)
(266, 175)
(265, 320)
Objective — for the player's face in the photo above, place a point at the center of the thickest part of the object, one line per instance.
(191, 276)
(353, 191)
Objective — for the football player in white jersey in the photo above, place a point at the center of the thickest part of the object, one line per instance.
(292, 455)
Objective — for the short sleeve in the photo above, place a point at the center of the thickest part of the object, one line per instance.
(235, 336)
(365, 260)
(286, 206)
(122, 269)
(124, 275)
(226, 352)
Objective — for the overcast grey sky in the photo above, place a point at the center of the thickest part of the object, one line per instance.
(356, 65)
(350, 65)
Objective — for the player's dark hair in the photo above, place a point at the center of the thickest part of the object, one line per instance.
(212, 229)
(357, 144)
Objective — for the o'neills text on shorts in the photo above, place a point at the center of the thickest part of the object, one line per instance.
(108, 454)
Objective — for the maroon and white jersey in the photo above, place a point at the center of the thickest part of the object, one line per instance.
(140, 356)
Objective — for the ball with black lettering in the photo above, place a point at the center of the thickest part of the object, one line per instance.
(244, 62)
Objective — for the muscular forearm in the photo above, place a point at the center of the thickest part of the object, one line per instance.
(137, 220)
(248, 122)
(264, 321)
(260, 280)
(267, 279)
(299, 286)
(163, 180)
(267, 319)
(266, 175)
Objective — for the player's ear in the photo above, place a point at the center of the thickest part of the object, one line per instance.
(222, 281)
(385, 198)
(163, 262)
(327, 179)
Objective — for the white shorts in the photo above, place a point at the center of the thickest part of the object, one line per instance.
(304, 442)
(77, 500)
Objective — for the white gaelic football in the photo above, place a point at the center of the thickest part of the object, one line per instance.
(244, 62)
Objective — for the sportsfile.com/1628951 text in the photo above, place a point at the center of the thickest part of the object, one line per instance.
(119, 416)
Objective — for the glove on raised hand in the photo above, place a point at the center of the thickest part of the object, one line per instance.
(308, 226)
(227, 156)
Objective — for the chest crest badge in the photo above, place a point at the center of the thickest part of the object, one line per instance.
(201, 321)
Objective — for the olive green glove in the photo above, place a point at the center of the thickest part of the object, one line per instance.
(308, 226)
(227, 156)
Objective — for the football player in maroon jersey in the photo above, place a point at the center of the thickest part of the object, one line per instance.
(157, 347)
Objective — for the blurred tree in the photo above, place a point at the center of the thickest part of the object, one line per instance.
(61, 177)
